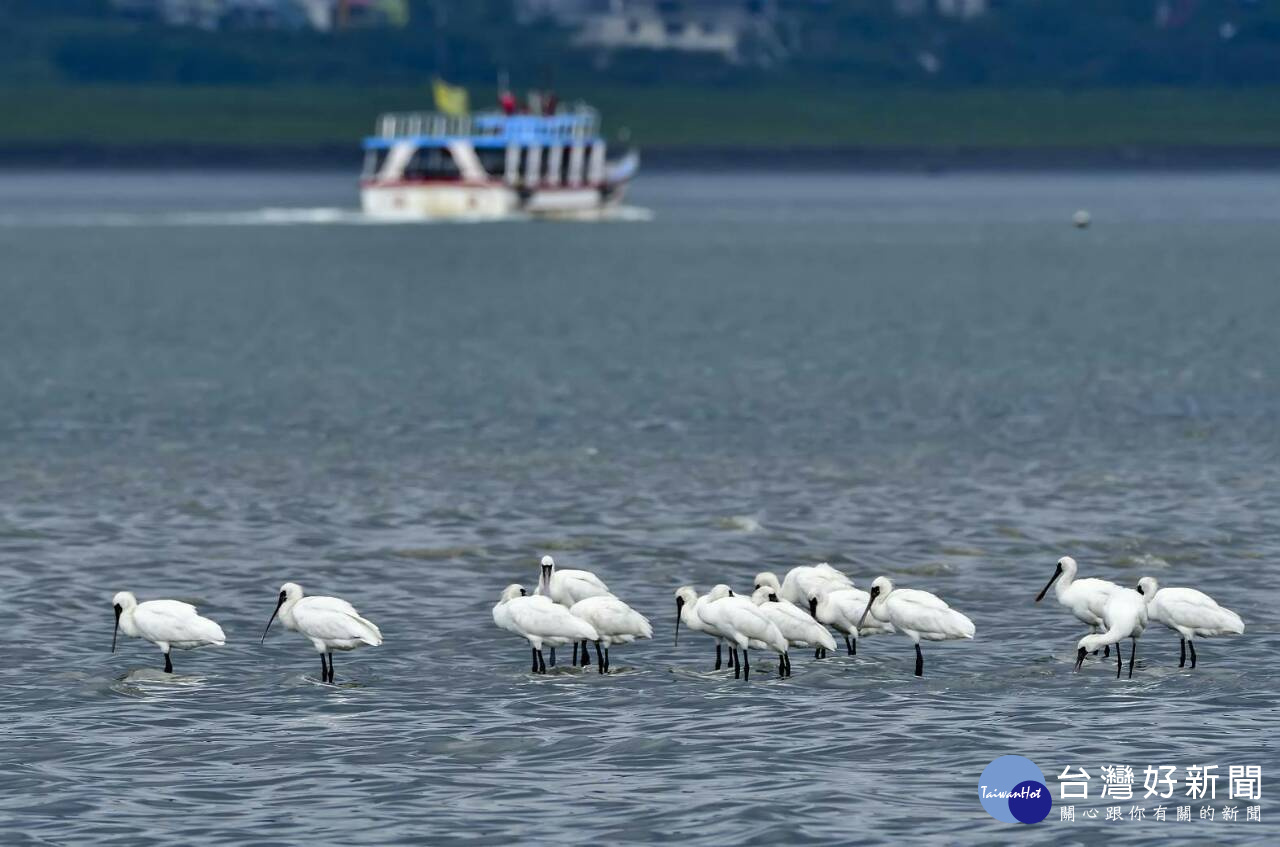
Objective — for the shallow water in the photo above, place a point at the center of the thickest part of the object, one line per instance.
(935, 378)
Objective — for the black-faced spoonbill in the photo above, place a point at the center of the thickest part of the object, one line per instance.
(328, 622)
(803, 581)
(840, 607)
(687, 601)
(566, 587)
(615, 623)
(1084, 598)
(916, 614)
(799, 628)
(165, 623)
(540, 622)
(738, 621)
(1190, 613)
(1123, 616)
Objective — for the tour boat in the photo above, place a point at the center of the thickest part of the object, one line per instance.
(492, 165)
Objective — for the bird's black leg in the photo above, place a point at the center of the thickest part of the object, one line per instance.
(1182, 652)
(746, 667)
(787, 656)
(737, 665)
(324, 669)
(331, 667)
(717, 655)
(919, 662)
(553, 657)
(534, 652)
(1119, 663)
(575, 654)
(848, 646)
(542, 664)
(168, 665)
(1133, 649)
(1192, 645)
(586, 660)
(782, 666)
(599, 658)
(606, 659)
(1107, 652)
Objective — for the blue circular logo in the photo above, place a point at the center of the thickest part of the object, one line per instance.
(1012, 790)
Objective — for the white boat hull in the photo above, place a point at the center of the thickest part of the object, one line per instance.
(484, 201)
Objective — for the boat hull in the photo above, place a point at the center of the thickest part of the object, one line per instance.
(483, 201)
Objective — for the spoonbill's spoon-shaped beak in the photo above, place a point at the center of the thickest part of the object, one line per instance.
(875, 592)
(679, 606)
(1057, 572)
(279, 603)
(1080, 656)
(116, 629)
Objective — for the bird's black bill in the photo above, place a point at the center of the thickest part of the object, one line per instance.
(865, 612)
(679, 607)
(1057, 572)
(115, 630)
(813, 607)
(1079, 658)
(1138, 588)
(279, 603)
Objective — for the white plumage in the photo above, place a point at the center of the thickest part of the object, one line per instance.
(615, 623)
(329, 623)
(803, 581)
(799, 628)
(918, 615)
(1190, 613)
(168, 624)
(840, 607)
(1085, 598)
(567, 587)
(738, 621)
(687, 601)
(1123, 616)
(540, 622)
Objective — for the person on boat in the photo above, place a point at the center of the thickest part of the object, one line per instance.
(508, 102)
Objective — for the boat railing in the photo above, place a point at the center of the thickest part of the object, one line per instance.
(577, 123)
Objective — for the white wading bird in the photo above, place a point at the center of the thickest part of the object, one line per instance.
(841, 608)
(737, 620)
(801, 582)
(615, 623)
(1084, 598)
(798, 628)
(328, 622)
(540, 622)
(916, 614)
(567, 587)
(687, 601)
(1124, 616)
(165, 623)
(1190, 613)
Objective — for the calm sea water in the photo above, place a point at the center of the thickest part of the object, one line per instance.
(212, 384)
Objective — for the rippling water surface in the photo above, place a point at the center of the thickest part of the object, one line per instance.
(932, 378)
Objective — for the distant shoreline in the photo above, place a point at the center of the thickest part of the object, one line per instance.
(706, 159)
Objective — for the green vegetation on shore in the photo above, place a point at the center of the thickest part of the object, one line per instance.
(770, 116)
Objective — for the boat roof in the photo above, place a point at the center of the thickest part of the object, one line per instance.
(486, 129)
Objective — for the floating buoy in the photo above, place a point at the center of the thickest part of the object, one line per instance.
(1081, 219)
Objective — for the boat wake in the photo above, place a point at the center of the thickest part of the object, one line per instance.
(324, 215)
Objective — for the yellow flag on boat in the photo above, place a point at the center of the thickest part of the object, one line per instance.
(450, 99)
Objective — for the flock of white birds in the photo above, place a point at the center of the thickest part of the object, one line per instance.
(1114, 613)
(576, 607)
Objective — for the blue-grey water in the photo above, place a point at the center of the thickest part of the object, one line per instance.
(211, 384)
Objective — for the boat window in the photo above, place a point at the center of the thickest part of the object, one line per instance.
(431, 163)
(493, 160)
(373, 161)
